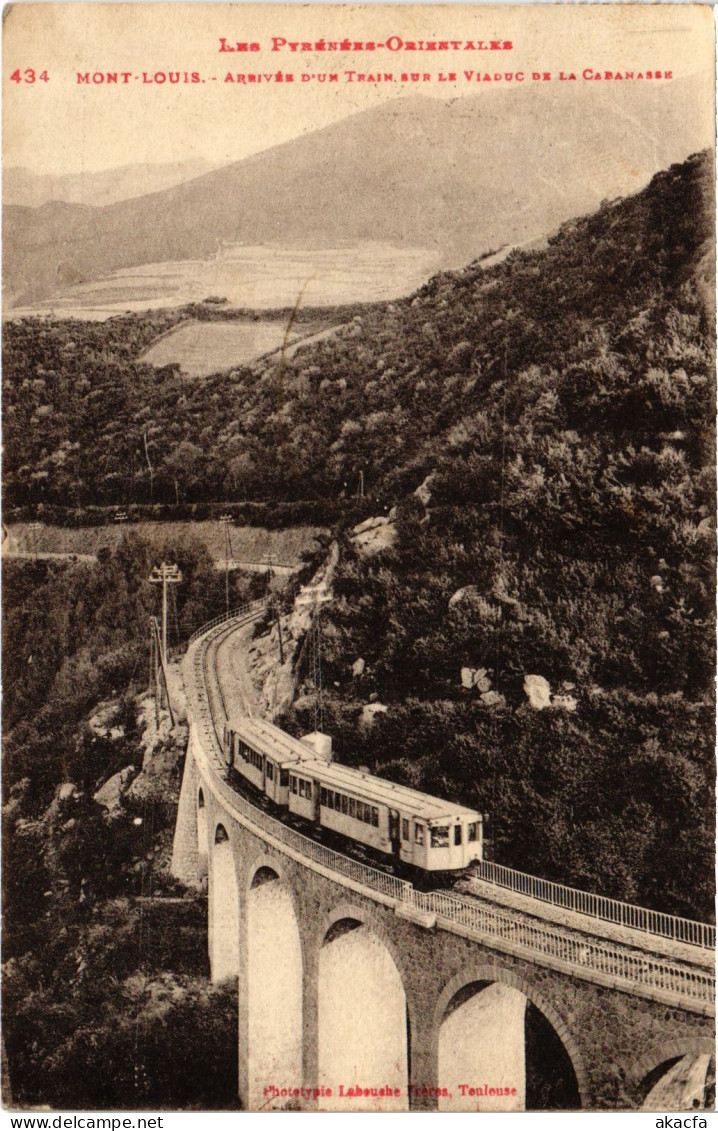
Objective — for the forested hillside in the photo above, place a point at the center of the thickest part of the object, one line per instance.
(106, 997)
(558, 408)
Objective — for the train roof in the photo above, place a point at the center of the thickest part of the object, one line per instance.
(368, 787)
(287, 751)
(282, 748)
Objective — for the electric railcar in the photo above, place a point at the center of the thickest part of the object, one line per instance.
(419, 830)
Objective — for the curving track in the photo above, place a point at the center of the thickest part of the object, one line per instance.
(650, 970)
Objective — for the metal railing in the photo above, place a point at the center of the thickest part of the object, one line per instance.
(615, 962)
(241, 610)
(600, 906)
(626, 968)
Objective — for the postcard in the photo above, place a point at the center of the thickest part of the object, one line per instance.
(358, 558)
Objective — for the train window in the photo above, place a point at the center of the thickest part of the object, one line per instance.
(472, 832)
(353, 808)
(322, 796)
(404, 829)
(284, 777)
(293, 784)
(367, 814)
(457, 834)
(301, 787)
(419, 834)
(345, 804)
(270, 770)
(440, 837)
(309, 790)
(337, 803)
(375, 817)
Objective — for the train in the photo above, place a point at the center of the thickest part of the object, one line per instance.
(411, 828)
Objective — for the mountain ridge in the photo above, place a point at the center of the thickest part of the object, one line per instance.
(462, 176)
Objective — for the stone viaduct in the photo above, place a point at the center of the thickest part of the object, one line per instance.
(352, 980)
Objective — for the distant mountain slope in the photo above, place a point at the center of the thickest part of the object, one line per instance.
(32, 190)
(462, 176)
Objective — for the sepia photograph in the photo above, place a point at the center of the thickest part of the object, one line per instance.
(358, 558)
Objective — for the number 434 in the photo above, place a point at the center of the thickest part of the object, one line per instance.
(29, 76)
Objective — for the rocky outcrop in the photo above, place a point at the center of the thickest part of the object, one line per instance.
(538, 693)
(374, 535)
(370, 710)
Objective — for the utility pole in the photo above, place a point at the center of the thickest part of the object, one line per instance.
(164, 575)
(35, 527)
(160, 670)
(226, 520)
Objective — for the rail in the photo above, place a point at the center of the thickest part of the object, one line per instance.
(600, 906)
(625, 968)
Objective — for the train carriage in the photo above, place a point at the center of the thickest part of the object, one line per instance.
(412, 827)
(262, 757)
(421, 830)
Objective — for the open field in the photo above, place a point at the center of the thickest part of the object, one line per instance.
(248, 543)
(202, 348)
(258, 278)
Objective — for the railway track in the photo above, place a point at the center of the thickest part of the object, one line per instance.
(644, 971)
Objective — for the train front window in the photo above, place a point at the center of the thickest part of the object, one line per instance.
(404, 829)
(419, 834)
(284, 777)
(293, 784)
(301, 787)
(472, 832)
(457, 834)
(270, 771)
(440, 837)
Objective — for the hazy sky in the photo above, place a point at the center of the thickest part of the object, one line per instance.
(62, 126)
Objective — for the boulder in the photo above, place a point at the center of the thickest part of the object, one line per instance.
(370, 524)
(423, 492)
(111, 793)
(538, 691)
(381, 536)
(358, 667)
(475, 677)
(492, 699)
(370, 710)
(564, 702)
(468, 593)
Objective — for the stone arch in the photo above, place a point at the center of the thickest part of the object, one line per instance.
(486, 975)
(663, 1068)
(202, 837)
(224, 908)
(363, 1017)
(276, 865)
(275, 981)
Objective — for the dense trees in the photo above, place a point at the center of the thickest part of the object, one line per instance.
(106, 1001)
